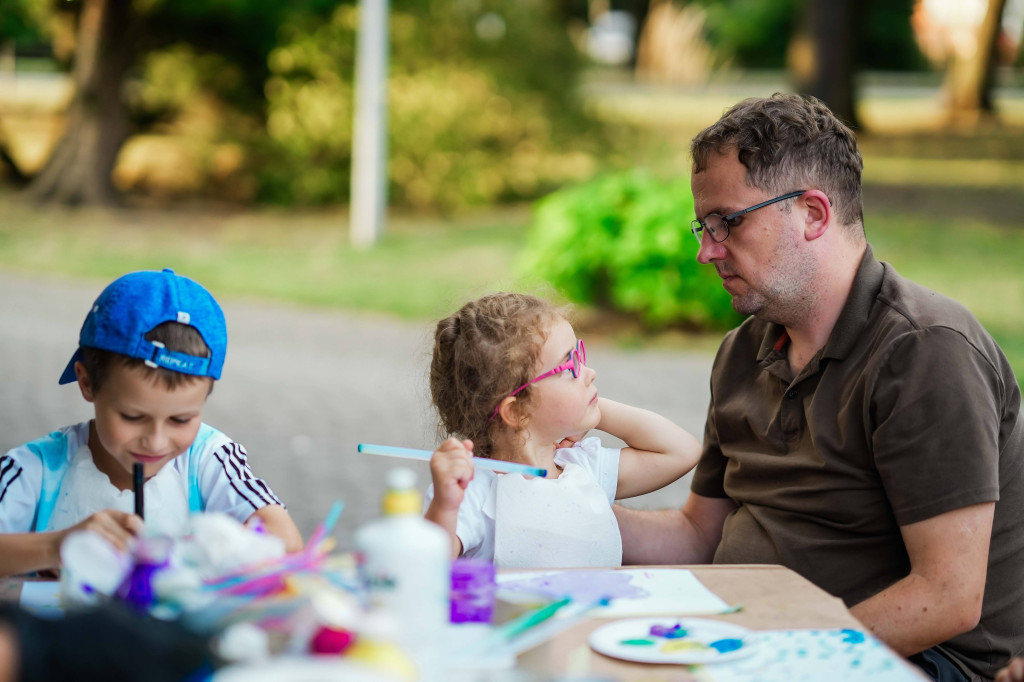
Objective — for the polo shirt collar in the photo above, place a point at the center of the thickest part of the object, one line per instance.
(852, 320)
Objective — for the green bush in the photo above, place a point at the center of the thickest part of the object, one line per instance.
(482, 106)
(623, 242)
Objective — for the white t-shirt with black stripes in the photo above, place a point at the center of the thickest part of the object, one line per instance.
(226, 482)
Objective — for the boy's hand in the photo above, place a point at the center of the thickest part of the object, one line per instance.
(451, 468)
(116, 527)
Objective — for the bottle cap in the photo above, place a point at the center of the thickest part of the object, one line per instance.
(400, 478)
(402, 496)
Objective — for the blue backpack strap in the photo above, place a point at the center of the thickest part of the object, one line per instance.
(52, 451)
(195, 497)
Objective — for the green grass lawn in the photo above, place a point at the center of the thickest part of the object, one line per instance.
(421, 268)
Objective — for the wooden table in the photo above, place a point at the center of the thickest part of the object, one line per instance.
(773, 598)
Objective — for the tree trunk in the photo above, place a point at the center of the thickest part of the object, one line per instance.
(17, 177)
(972, 72)
(79, 169)
(821, 55)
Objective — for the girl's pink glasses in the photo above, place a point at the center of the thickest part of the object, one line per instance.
(577, 361)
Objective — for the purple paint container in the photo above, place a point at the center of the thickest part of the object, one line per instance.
(151, 556)
(473, 587)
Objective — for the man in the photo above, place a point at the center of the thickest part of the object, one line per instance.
(863, 431)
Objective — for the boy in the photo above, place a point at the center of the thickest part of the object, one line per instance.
(149, 351)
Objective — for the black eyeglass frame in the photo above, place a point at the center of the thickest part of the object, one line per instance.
(697, 225)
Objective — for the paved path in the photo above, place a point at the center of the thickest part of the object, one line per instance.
(302, 387)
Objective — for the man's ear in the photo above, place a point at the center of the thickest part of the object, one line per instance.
(84, 382)
(818, 213)
(510, 413)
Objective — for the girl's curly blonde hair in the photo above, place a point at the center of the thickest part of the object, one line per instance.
(483, 352)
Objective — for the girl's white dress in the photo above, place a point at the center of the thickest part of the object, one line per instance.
(521, 522)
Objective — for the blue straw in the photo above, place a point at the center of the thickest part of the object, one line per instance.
(327, 525)
(482, 462)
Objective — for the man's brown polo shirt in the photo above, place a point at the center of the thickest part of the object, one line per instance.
(909, 411)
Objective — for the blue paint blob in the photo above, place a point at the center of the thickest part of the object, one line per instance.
(852, 636)
(724, 646)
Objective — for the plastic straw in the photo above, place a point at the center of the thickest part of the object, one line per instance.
(482, 462)
(326, 526)
(527, 639)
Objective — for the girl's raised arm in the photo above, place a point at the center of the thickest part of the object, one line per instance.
(658, 451)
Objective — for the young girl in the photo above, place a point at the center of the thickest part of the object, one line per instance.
(510, 378)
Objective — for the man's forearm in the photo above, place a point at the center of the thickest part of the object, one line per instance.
(661, 537)
(942, 596)
(913, 614)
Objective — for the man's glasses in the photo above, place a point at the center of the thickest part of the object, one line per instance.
(717, 226)
(577, 361)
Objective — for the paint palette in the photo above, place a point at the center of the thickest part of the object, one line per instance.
(673, 640)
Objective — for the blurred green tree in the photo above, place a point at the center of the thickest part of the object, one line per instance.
(823, 43)
(21, 21)
(112, 38)
(483, 103)
(482, 106)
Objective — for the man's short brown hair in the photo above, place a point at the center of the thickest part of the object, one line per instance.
(786, 143)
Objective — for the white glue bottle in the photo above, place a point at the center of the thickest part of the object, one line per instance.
(405, 562)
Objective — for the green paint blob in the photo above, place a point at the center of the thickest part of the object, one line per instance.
(637, 642)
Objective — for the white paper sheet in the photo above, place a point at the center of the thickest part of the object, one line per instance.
(41, 597)
(634, 592)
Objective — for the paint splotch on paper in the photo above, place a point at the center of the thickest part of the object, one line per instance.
(643, 592)
(583, 586)
(815, 655)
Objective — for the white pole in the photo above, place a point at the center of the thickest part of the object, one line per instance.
(370, 126)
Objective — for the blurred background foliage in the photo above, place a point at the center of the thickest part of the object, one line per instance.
(479, 108)
(252, 99)
(492, 104)
(757, 33)
(257, 98)
(622, 242)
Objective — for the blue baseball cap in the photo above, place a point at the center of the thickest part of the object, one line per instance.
(132, 305)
